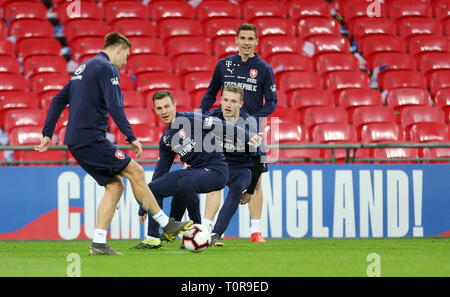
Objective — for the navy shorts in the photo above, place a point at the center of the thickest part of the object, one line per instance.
(100, 159)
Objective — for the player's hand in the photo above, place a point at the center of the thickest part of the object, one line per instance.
(142, 218)
(43, 147)
(137, 148)
(255, 140)
(186, 166)
(245, 198)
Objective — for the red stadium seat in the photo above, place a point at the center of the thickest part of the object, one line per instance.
(299, 9)
(224, 46)
(421, 114)
(442, 98)
(407, 8)
(261, 8)
(427, 62)
(170, 9)
(138, 64)
(87, 45)
(26, 28)
(355, 10)
(221, 27)
(31, 136)
(16, 100)
(303, 98)
(44, 82)
(372, 114)
(24, 10)
(12, 81)
(84, 28)
(394, 61)
(134, 27)
(115, 10)
(381, 132)
(132, 98)
(354, 98)
(339, 80)
(366, 26)
(6, 48)
(157, 81)
(400, 98)
(270, 45)
(146, 45)
(188, 45)
(87, 10)
(185, 64)
(311, 26)
(382, 43)
(294, 80)
(23, 117)
(427, 43)
(402, 79)
(441, 9)
(412, 26)
(284, 115)
(136, 116)
(282, 99)
(290, 62)
(274, 26)
(196, 81)
(312, 116)
(288, 133)
(9, 64)
(429, 132)
(336, 61)
(45, 100)
(178, 27)
(438, 79)
(217, 9)
(3, 31)
(333, 133)
(41, 64)
(145, 134)
(37, 46)
(329, 43)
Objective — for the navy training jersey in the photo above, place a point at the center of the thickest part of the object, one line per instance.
(236, 152)
(92, 92)
(254, 76)
(193, 138)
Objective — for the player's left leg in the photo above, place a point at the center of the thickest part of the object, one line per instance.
(239, 180)
(255, 206)
(106, 209)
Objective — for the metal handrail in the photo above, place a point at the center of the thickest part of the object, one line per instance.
(350, 148)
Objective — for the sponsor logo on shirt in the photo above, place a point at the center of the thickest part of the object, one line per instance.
(119, 155)
(115, 81)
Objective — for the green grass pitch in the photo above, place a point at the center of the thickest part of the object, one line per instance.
(238, 258)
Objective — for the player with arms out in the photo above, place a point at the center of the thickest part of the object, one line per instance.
(193, 137)
(92, 92)
(247, 70)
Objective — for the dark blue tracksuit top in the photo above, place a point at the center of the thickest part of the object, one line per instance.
(254, 76)
(92, 93)
(189, 138)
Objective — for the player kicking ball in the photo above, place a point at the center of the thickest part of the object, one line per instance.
(92, 93)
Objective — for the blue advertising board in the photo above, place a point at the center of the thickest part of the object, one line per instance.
(320, 201)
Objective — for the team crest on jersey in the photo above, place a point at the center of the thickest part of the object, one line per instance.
(253, 73)
(182, 134)
(120, 155)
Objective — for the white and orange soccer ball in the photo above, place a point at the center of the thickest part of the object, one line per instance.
(196, 238)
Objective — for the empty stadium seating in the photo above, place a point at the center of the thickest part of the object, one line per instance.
(336, 61)
(252, 10)
(303, 98)
(170, 9)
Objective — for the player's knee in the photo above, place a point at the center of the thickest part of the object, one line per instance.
(116, 185)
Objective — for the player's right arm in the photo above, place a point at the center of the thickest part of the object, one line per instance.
(58, 104)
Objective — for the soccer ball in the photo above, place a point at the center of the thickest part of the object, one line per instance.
(196, 238)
